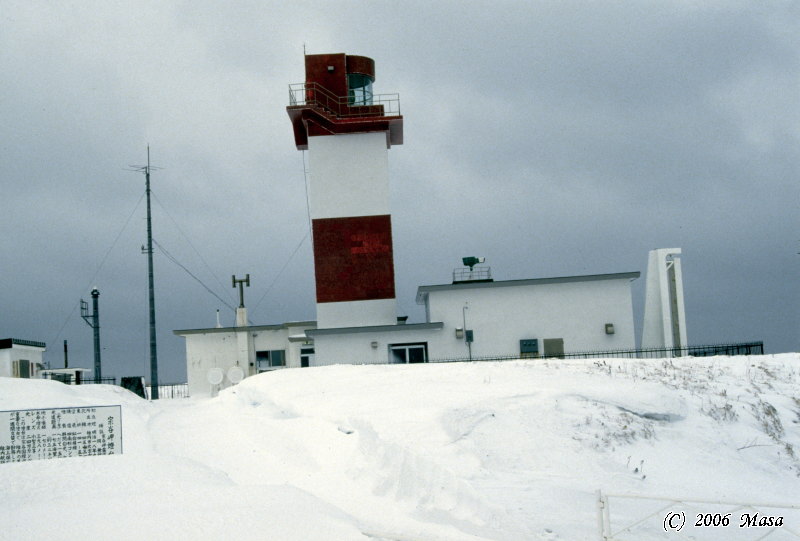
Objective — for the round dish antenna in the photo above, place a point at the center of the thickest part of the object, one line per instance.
(235, 374)
(215, 376)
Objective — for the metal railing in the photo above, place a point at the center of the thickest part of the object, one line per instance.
(316, 95)
(746, 348)
(105, 381)
(70, 379)
(478, 274)
(169, 390)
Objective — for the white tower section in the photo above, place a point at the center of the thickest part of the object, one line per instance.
(350, 179)
(664, 315)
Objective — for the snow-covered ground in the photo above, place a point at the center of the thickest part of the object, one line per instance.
(463, 451)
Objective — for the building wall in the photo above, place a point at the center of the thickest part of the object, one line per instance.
(357, 348)
(357, 313)
(500, 317)
(204, 352)
(20, 352)
(224, 349)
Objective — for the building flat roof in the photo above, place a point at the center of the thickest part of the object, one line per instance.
(376, 328)
(423, 291)
(280, 326)
(6, 343)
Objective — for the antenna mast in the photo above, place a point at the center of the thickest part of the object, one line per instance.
(149, 251)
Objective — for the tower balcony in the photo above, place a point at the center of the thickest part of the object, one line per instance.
(315, 110)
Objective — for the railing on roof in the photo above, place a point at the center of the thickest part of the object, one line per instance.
(31, 343)
(477, 274)
(316, 95)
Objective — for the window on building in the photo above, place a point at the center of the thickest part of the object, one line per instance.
(408, 353)
(306, 356)
(359, 89)
(267, 360)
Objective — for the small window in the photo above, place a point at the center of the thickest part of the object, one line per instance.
(408, 353)
(268, 360)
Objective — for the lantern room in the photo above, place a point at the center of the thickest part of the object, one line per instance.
(337, 98)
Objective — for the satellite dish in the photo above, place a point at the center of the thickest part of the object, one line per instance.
(215, 376)
(235, 374)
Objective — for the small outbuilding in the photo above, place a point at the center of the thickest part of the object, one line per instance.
(21, 358)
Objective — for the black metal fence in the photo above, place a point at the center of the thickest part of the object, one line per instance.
(746, 348)
(169, 390)
(106, 381)
(70, 379)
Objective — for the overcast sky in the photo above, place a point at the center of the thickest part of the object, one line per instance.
(552, 138)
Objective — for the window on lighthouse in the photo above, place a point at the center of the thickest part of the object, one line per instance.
(359, 89)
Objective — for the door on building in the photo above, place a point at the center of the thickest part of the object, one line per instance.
(408, 353)
(306, 356)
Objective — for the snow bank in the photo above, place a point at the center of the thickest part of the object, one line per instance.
(499, 450)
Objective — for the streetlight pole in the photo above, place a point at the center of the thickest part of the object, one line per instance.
(93, 320)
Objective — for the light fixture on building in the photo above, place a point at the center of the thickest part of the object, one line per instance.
(459, 332)
(609, 328)
(374, 345)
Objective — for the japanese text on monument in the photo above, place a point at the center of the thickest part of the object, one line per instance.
(39, 434)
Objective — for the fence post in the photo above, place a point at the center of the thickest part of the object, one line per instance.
(601, 516)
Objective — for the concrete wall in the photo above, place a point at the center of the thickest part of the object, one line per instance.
(357, 348)
(664, 315)
(500, 317)
(357, 313)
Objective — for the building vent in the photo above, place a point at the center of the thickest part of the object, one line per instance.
(22, 369)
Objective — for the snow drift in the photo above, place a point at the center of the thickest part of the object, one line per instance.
(436, 452)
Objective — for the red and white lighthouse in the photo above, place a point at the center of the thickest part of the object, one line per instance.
(348, 131)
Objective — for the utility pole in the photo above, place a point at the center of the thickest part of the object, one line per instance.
(149, 251)
(93, 320)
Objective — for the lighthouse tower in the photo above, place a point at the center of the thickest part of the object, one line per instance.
(348, 131)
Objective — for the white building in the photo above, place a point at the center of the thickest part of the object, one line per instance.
(21, 358)
(475, 319)
(526, 318)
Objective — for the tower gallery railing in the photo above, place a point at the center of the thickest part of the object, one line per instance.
(316, 95)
